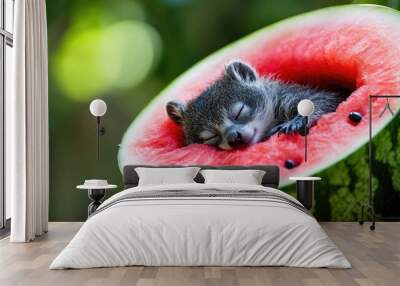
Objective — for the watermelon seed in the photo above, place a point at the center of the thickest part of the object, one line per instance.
(355, 117)
(290, 164)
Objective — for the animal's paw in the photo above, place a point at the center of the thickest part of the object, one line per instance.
(273, 131)
(292, 126)
(289, 127)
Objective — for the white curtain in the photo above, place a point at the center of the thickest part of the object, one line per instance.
(27, 124)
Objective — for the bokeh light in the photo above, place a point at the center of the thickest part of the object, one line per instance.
(92, 61)
(78, 69)
(129, 50)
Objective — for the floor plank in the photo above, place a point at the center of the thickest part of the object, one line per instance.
(375, 257)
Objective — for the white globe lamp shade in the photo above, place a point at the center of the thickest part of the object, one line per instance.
(305, 107)
(98, 107)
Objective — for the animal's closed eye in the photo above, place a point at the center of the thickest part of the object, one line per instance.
(211, 140)
(239, 112)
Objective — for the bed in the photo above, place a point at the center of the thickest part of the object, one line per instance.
(198, 224)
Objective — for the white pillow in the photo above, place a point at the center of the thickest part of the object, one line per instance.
(248, 177)
(163, 176)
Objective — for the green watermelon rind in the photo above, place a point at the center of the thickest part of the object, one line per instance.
(146, 113)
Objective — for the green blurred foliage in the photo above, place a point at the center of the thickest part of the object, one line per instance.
(178, 34)
(105, 50)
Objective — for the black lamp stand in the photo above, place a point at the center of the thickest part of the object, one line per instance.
(100, 131)
(305, 137)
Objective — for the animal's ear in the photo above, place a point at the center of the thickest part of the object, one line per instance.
(238, 70)
(176, 111)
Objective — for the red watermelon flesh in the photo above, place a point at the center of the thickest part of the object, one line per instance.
(353, 47)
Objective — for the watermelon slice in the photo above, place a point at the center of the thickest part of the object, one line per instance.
(352, 47)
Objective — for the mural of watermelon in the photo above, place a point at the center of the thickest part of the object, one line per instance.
(353, 48)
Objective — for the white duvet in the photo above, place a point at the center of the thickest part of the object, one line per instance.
(227, 231)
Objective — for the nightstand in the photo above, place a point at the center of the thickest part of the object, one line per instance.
(305, 190)
(96, 192)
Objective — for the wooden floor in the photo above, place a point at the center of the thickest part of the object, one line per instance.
(375, 257)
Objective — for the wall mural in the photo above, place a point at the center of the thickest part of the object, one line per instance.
(238, 106)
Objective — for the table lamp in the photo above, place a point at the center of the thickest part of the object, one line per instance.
(305, 108)
(98, 108)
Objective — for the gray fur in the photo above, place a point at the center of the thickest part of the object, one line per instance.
(241, 108)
